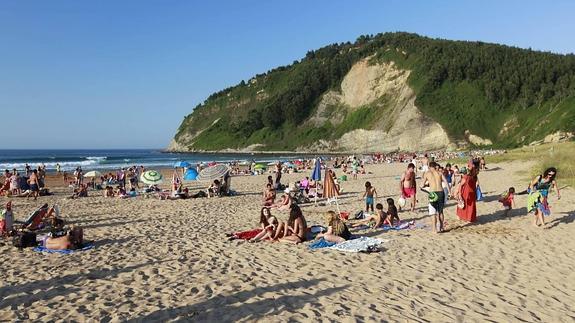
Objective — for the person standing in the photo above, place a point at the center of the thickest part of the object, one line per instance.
(466, 193)
(354, 167)
(34, 184)
(58, 168)
(278, 176)
(433, 181)
(408, 185)
(538, 193)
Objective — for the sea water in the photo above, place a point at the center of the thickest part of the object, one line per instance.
(117, 158)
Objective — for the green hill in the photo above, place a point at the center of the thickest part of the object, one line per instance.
(391, 91)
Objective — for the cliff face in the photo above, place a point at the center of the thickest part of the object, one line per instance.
(398, 124)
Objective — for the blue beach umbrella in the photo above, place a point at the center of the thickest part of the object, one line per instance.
(191, 174)
(316, 174)
(182, 164)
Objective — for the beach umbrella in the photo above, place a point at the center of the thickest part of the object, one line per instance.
(151, 177)
(330, 191)
(213, 172)
(191, 174)
(316, 176)
(93, 173)
(182, 164)
(260, 166)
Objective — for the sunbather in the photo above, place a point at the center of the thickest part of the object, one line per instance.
(214, 189)
(269, 195)
(295, 230)
(74, 239)
(284, 203)
(337, 231)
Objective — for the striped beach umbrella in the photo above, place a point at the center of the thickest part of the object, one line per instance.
(213, 172)
(151, 177)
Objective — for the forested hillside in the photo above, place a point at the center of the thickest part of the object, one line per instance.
(507, 95)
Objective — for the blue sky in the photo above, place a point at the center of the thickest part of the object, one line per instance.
(123, 74)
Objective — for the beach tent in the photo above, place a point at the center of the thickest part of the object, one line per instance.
(191, 174)
(330, 191)
(182, 164)
(151, 177)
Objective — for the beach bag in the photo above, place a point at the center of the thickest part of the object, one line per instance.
(24, 240)
(478, 194)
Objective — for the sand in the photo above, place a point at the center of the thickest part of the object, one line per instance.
(169, 260)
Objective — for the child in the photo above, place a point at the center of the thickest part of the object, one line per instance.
(369, 193)
(8, 218)
(392, 216)
(376, 220)
(508, 201)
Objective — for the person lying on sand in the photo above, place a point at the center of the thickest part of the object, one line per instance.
(74, 239)
(337, 231)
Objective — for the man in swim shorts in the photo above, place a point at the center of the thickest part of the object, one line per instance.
(34, 184)
(433, 179)
(407, 185)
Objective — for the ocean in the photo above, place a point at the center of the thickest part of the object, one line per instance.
(117, 158)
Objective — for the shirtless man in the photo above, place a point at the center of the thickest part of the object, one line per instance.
(34, 184)
(433, 179)
(408, 186)
(424, 163)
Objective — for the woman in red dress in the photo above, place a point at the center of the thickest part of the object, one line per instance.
(467, 193)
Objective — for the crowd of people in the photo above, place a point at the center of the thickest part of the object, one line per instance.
(439, 183)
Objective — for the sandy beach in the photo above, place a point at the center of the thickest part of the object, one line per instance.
(169, 260)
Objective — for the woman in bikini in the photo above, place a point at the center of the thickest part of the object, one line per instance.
(266, 219)
(296, 228)
(269, 195)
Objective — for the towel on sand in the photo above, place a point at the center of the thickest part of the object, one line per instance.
(361, 244)
(66, 252)
(320, 243)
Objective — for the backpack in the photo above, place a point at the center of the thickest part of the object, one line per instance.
(24, 240)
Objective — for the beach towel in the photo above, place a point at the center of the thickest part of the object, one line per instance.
(66, 252)
(401, 226)
(319, 244)
(361, 244)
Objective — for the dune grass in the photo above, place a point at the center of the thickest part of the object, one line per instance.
(559, 155)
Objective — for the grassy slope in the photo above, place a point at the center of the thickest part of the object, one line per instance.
(456, 106)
